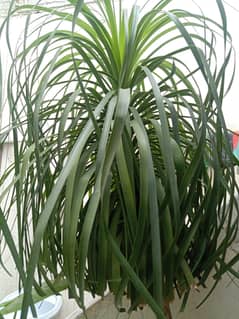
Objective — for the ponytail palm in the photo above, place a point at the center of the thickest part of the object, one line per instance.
(123, 174)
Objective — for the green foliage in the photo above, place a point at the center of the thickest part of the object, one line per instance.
(123, 174)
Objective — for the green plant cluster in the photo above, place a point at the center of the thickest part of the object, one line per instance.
(123, 175)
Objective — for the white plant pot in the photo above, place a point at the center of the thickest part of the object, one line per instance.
(48, 308)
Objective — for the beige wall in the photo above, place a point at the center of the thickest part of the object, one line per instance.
(223, 304)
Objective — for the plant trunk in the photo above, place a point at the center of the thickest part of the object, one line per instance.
(167, 310)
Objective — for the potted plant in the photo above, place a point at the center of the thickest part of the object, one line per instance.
(123, 174)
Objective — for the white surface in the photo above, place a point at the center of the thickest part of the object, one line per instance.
(49, 308)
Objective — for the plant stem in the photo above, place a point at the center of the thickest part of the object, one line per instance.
(167, 310)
